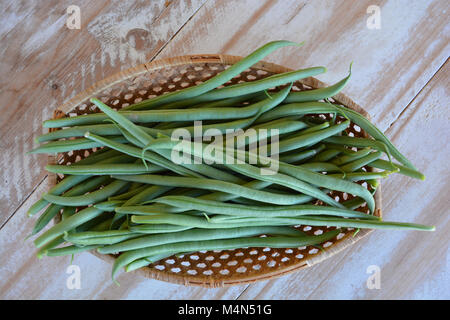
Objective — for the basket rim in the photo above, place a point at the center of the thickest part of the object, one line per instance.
(341, 98)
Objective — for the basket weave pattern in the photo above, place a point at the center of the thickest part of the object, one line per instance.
(211, 268)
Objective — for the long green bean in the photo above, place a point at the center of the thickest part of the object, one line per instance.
(216, 81)
(222, 244)
(210, 184)
(89, 198)
(197, 235)
(105, 169)
(70, 145)
(67, 224)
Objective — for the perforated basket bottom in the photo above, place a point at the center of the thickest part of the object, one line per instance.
(209, 268)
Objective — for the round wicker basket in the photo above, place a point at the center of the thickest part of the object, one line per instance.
(211, 268)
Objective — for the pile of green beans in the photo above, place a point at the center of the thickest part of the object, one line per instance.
(132, 198)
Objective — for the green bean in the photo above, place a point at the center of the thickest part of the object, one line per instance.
(222, 244)
(68, 250)
(111, 129)
(54, 209)
(291, 176)
(301, 156)
(99, 129)
(216, 81)
(299, 109)
(300, 175)
(109, 205)
(359, 163)
(102, 226)
(144, 139)
(149, 156)
(318, 94)
(210, 184)
(376, 133)
(79, 131)
(160, 228)
(322, 167)
(97, 222)
(85, 235)
(70, 145)
(217, 207)
(344, 159)
(156, 115)
(108, 238)
(228, 102)
(196, 235)
(311, 138)
(103, 169)
(148, 194)
(140, 263)
(89, 198)
(68, 224)
(248, 87)
(358, 176)
(217, 196)
(357, 142)
(185, 220)
(69, 181)
(358, 119)
(315, 128)
(281, 126)
(386, 165)
(50, 245)
(335, 222)
(328, 182)
(60, 239)
(67, 212)
(130, 193)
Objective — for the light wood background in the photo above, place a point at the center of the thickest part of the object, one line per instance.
(400, 76)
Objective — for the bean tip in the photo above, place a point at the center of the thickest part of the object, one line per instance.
(87, 134)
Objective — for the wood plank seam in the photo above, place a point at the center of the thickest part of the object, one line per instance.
(417, 94)
(245, 289)
(23, 201)
(177, 32)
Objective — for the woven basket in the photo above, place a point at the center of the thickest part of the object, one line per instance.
(211, 268)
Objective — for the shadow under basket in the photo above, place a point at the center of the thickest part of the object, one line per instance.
(225, 267)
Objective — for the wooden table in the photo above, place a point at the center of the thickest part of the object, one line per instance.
(400, 76)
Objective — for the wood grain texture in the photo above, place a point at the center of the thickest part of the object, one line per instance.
(414, 265)
(52, 63)
(399, 76)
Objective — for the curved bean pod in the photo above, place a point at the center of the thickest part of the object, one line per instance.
(70, 145)
(197, 235)
(70, 223)
(103, 169)
(217, 207)
(223, 186)
(90, 198)
(216, 81)
(222, 244)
